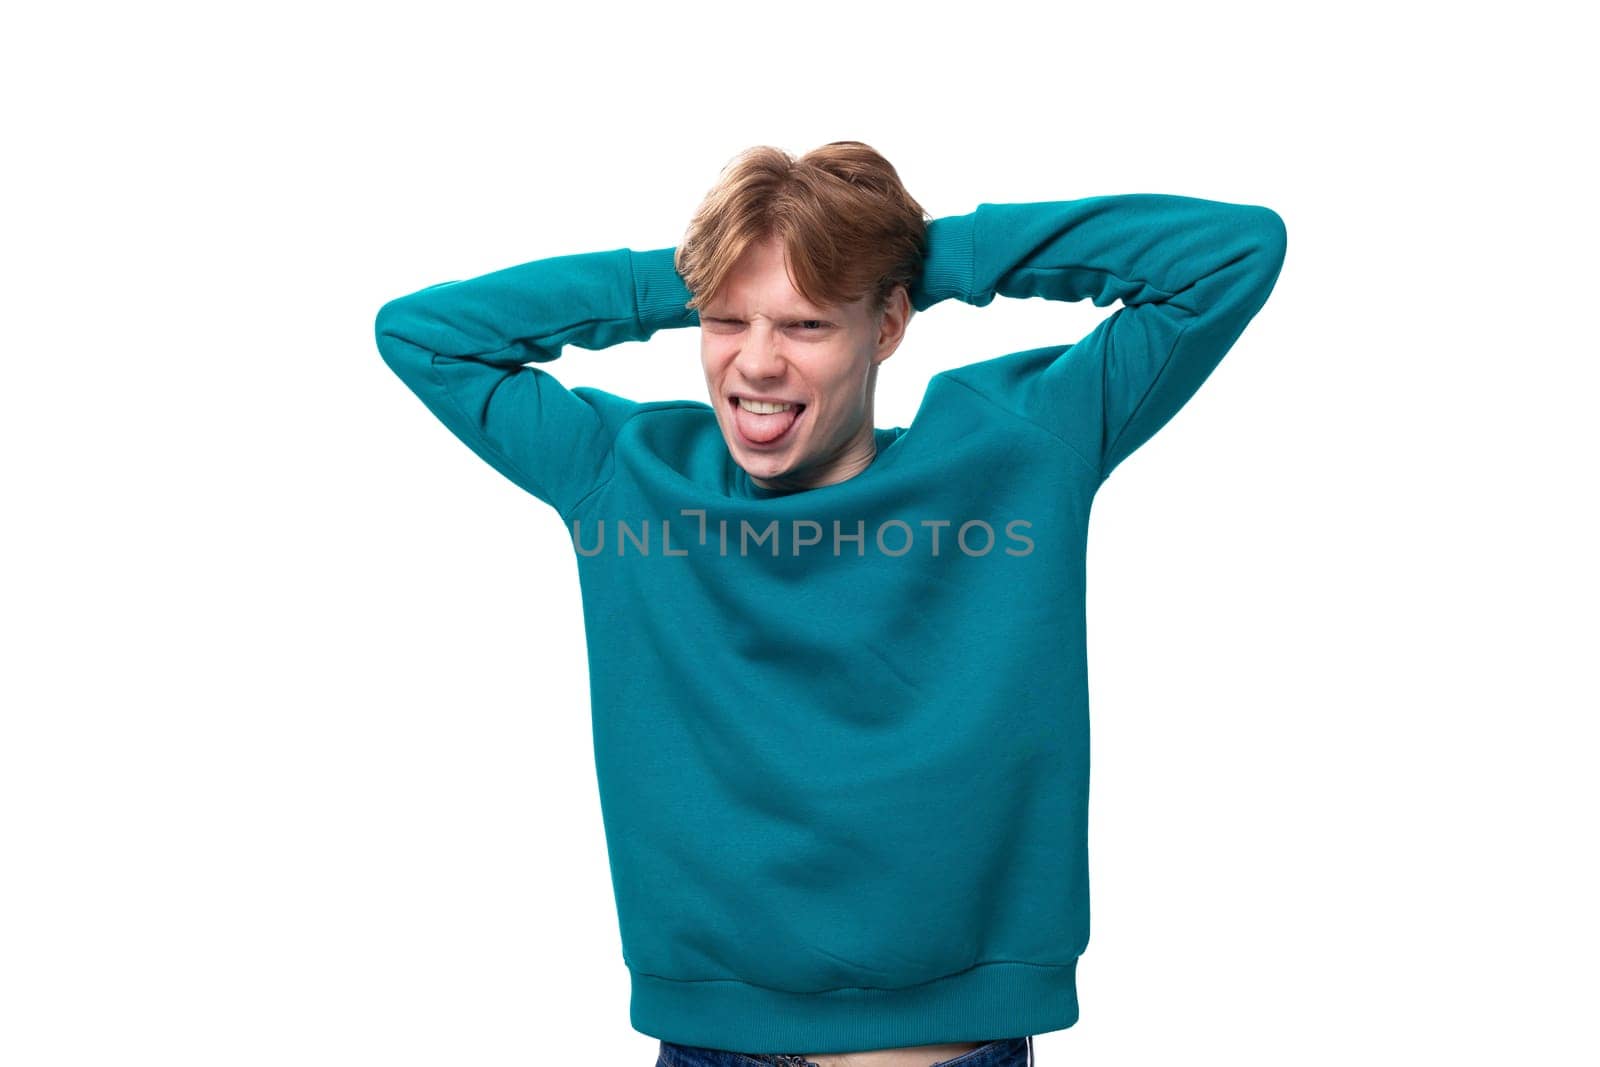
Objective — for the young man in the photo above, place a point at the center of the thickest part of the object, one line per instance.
(837, 672)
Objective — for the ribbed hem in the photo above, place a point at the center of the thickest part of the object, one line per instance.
(983, 1003)
(947, 268)
(659, 292)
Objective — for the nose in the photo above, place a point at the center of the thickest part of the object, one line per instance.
(761, 355)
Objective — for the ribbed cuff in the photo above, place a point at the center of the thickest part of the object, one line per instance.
(947, 268)
(659, 293)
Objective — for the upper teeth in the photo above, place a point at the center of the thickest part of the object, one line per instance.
(762, 406)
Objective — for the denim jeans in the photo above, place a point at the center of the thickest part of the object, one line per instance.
(1006, 1052)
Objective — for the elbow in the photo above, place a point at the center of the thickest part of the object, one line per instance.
(407, 328)
(388, 330)
(1271, 235)
(1264, 242)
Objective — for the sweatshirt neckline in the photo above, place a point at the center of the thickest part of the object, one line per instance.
(883, 440)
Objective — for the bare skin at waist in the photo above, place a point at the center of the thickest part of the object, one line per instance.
(910, 1056)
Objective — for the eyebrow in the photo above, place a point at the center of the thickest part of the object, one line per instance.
(790, 315)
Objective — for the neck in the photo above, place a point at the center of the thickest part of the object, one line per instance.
(856, 456)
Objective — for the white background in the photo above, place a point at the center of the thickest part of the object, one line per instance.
(295, 764)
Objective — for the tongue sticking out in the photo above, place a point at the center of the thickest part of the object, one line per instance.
(764, 428)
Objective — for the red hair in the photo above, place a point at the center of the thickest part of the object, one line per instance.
(848, 226)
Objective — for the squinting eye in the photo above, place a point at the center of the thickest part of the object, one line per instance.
(816, 323)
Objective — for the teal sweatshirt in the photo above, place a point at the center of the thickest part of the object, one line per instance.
(841, 734)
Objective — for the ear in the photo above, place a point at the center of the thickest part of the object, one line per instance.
(892, 323)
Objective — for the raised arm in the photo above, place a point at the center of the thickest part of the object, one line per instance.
(1190, 273)
(462, 347)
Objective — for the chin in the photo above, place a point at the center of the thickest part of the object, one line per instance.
(763, 466)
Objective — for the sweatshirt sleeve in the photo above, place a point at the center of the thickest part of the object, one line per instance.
(463, 347)
(1190, 274)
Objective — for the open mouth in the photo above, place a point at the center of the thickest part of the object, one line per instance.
(764, 426)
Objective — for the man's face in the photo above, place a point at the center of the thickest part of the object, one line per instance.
(760, 340)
